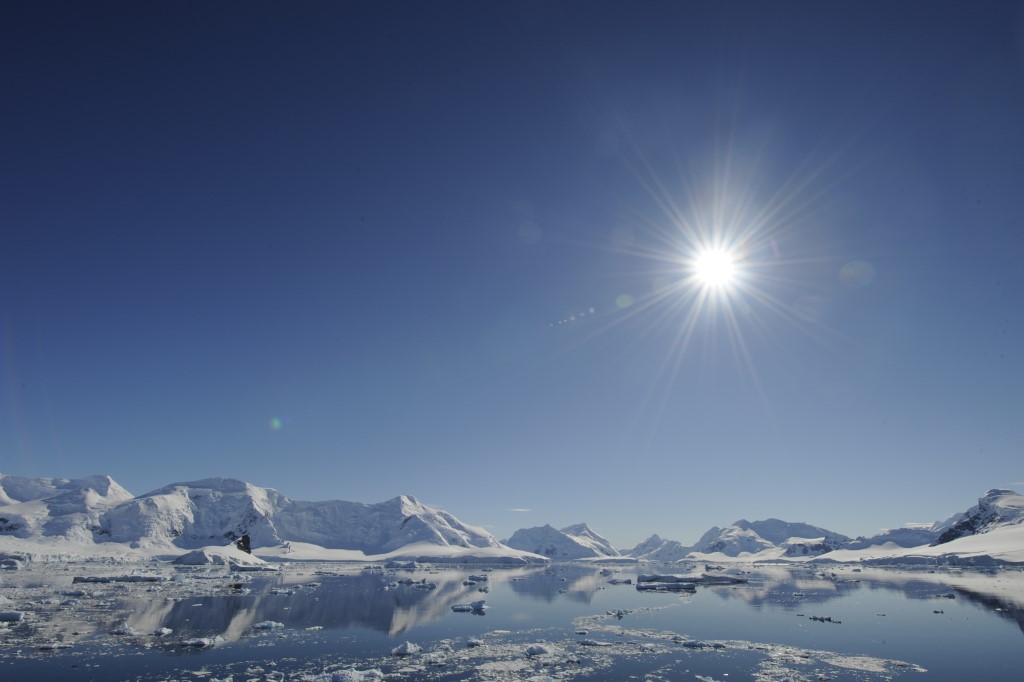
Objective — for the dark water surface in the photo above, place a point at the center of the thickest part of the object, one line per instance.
(323, 621)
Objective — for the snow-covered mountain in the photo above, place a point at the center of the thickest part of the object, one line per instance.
(56, 507)
(995, 509)
(574, 542)
(200, 513)
(656, 548)
(216, 511)
(905, 536)
(85, 515)
(753, 537)
(779, 532)
(583, 534)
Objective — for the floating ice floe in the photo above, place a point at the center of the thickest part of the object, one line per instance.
(472, 607)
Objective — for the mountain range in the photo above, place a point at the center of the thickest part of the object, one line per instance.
(97, 511)
(95, 514)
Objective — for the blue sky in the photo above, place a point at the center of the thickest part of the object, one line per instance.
(353, 250)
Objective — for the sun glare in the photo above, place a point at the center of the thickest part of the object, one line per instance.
(715, 268)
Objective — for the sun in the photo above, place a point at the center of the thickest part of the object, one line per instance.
(715, 268)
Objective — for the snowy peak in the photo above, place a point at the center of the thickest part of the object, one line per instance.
(574, 542)
(583, 534)
(655, 548)
(646, 546)
(995, 509)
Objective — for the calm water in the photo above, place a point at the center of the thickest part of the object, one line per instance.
(878, 624)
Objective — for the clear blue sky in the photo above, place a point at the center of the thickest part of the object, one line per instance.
(353, 250)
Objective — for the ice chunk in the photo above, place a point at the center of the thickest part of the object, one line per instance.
(472, 607)
(124, 629)
(202, 642)
(407, 565)
(268, 625)
(406, 649)
(592, 642)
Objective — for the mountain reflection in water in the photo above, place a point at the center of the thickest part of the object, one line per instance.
(369, 599)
